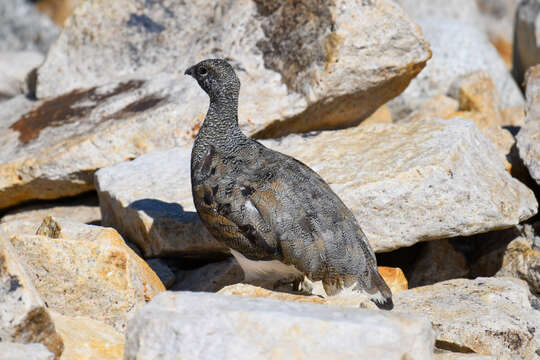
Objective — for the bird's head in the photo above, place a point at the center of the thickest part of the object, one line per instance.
(216, 77)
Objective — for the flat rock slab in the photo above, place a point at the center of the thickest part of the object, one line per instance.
(418, 181)
(243, 328)
(84, 270)
(528, 138)
(132, 97)
(491, 316)
(24, 317)
(458, 49)
(16, 351)
(405, 183)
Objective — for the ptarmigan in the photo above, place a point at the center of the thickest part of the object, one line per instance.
(279, 218)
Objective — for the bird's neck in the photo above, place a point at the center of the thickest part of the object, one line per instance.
(220, 127)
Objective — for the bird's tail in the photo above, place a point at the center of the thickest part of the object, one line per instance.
(378, 291)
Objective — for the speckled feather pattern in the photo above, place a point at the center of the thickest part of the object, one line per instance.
(269, 206)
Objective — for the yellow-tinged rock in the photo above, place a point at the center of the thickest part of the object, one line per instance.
(86, 271)
(88, 339)
(259, 292)
(395, 278)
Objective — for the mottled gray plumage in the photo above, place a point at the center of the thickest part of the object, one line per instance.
(269, 206)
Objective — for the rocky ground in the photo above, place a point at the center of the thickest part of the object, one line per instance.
(423, 116)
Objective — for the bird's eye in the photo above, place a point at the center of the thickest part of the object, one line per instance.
(203, 71)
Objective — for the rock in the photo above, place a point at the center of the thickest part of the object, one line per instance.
(154, 209)
(526, 46)
(489, 316)
(281, 79)
(394, 278)
(23, 315)
(381, 116)
(464, 11)
(528, 138)
(85, 338)
(170, 327)
(14, 67)
(84, 209)
(163, 271)
(15, 351)
(211, 277)
(458, 49)
(438, 261)
(86, 271)
(24, 28)
(413, 182)
(133, 98)
(440, 106)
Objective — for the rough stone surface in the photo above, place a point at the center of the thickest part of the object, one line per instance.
(458, 49)
(86, 271)
(268, 46)
(84, 209)
(418, 181)
(211, 277)
(23, 315)
(170, 327)
(526, 41)
(16, 351)
(88, 339)
(437, 261)
(24, 28)
(448, 355)
(490, 316)
(149, 201)
(528, 138)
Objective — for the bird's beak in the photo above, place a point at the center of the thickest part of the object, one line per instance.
(189, 71)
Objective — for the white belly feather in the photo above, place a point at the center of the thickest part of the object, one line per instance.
(265, 269)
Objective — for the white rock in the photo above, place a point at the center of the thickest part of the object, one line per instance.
(15, 351)
(14, 67)
(489, 316)
(244, 328)
(528, 138)
(458, 49)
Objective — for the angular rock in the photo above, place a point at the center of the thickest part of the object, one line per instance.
(23, 315)
(458, 49)
(526, 43)
(528, 138)
(269, 47)
(85, 338)
(16, 351)
(438, 261)
(84, 209)
(211, 277)
(170, 327)
(418, 181)
(154, 208)
(86, 271)
(490, 316)
(24, 28)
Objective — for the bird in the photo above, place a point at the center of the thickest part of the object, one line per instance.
(278, 217)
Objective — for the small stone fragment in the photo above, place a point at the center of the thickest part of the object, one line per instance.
(50, 228)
